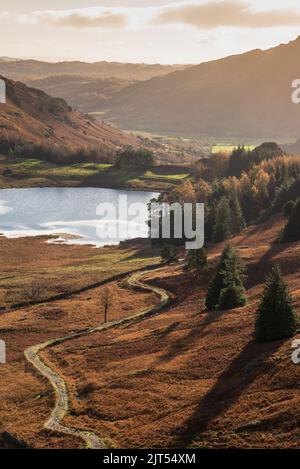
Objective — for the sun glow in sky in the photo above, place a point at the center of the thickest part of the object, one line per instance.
(165, 31)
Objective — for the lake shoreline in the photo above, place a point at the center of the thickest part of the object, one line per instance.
(84, 216)
(88, 186)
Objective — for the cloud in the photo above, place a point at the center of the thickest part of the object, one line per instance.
(218, 13)
(4, 14)
(102, 18)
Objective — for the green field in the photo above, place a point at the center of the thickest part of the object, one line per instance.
(38, 168)
(20, 172)
(219, 148)
(170, 177)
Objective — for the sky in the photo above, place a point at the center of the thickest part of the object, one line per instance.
(150, 31)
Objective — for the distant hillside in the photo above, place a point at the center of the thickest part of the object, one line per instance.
(86, 86)
(25, 70)
(8, 59)
(83, 93)
(32, 116)
(242, 96)
(292, 148)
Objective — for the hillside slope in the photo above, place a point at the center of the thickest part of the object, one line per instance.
(31, 115)
(190, 377)
(186, 377)
(242, 96)
(83, 93)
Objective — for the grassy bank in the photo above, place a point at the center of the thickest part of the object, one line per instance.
(21, 172)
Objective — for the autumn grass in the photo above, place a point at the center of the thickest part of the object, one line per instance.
(57, 269)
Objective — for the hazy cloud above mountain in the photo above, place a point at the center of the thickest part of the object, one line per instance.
(213, 14)
(205, 14)
(78, 19)
(166, 31)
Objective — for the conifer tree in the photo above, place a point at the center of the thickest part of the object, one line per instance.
(222, 228)
(226, 289)
(196, 260)
(233, 294)
(276, 316)
(238, 223)
(291, 231)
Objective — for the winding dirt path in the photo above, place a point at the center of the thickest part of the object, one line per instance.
(61, 408)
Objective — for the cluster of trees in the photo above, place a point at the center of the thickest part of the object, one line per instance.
(228, 218)
(55, 153)
(242, 159)
(276, 317)
(137, 159)
(243, 188)
(221, 165)
(232, 203)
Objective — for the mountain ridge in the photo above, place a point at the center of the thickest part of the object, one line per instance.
(244, 95)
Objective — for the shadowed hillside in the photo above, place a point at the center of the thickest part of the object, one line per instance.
(242, 96)
(32, 116)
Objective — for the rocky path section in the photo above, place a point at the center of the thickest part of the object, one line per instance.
(62, 408)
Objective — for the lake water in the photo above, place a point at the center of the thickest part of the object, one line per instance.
(79, 215)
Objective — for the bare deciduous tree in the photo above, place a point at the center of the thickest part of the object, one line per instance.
(34, 292)
(106, 302)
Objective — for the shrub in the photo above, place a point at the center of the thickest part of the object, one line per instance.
(169, 254)
(195, 261)
(288, 208)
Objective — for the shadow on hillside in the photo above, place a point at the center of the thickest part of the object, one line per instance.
(113, 177)
(250, 363)
(183, 344)
(257, 272)
(253, 230)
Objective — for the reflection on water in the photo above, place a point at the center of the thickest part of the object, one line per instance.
(73, 213)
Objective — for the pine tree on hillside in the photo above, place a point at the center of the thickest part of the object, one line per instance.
(291, 231)
(276, 316)
(195, 261)
(222, 225)
(217, 283)
(238, 223)
(233, 294)
(226, 289)
(168, 254)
